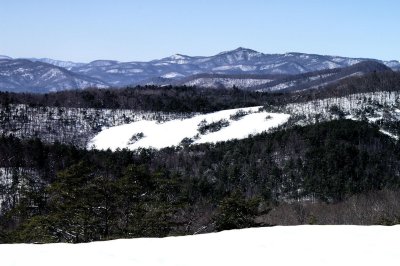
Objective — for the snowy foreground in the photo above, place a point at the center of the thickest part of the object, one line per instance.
(171, 133)
(301, 245)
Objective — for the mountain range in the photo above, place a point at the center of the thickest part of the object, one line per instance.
(244, 68)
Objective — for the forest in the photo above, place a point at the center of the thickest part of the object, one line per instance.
(338, 172)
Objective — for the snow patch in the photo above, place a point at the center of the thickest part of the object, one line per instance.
(171, 133)
(389, 134)
(172, 75)
(281, 245)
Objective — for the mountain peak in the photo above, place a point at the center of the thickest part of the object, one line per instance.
(243, 49)
(240, 50)
(175, 59)
(178, 57)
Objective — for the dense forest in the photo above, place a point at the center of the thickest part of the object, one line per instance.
(333, 172)
(146, 98)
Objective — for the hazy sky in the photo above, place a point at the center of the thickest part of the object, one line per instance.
(127, 30)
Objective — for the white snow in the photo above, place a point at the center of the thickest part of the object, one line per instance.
(171, 133)
(162, 64)
(328, 65)
(292, 245)
(52, 73)
(177, 57)
(389, 134)
(250, 124)
(172, 75)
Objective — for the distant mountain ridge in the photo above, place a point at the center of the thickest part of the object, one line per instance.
(22, 75)
(168, 70)
(64, 64)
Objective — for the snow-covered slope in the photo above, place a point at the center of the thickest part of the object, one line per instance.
(291, 245)
(213, 127)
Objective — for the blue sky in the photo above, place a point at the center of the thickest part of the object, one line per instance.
(127, 30)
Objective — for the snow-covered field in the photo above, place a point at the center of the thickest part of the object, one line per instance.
(292, 245)
(171, 133)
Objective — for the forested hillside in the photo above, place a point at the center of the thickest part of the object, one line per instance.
(75, 117)
(301, 175)
(336, 161)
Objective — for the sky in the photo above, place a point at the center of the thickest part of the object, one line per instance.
(142, 30)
